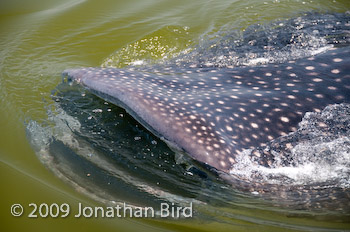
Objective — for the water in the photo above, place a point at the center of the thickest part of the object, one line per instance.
(41, 39)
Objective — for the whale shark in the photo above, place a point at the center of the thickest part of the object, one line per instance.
(214, 114)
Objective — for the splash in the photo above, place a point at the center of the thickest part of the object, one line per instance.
(318, 153)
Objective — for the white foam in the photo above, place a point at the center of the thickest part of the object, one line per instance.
(308, 170)
(321, 50)
(256, 61)
(137, 62)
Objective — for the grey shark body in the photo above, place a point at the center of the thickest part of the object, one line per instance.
(213, 114)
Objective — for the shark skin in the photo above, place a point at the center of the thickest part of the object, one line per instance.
(213, 114)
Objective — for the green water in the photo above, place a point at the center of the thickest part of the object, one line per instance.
(39, 39)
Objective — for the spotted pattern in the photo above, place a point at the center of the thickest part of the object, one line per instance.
(214, 114)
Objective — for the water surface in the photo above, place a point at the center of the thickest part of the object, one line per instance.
(40, 39)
